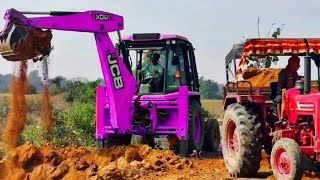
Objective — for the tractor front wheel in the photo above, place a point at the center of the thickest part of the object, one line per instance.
(211, 135)
(286, 160)
(241, 140)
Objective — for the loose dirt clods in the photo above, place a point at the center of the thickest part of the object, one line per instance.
(121, 162)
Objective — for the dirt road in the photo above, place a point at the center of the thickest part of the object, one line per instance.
(122, 162)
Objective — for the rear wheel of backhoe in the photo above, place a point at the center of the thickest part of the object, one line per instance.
(286, 160)
(195, 130)
(117, 140)
(211, 135)
(241, 140)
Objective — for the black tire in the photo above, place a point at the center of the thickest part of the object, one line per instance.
(183, 148)
(211, 135)
(149, 140)
(100, 143)
(292, 150)
(194, 111)
(118, 140)
(242, 156)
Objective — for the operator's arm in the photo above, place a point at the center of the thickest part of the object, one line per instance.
(145, 67)
(161, 70)
(158, 71)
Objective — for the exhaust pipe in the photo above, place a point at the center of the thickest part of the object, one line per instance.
(18, 43)
(307, 70)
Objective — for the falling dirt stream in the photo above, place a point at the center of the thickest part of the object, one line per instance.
(46, 111)
(18, 105)
(17, 108)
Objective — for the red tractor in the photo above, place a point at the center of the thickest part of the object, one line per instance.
(251, 121)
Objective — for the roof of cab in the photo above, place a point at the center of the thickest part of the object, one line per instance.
(153, 36)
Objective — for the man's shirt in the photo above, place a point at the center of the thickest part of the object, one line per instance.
(283, 80)
(149, 69)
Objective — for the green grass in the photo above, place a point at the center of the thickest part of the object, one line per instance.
(214, 107)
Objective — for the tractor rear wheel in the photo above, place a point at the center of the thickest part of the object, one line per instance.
(241, 140)
(195, 130)
(117, 140)
(286, 160)
(211, 135)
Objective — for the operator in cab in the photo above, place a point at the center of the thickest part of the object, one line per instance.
(287, 79)
(153, 72)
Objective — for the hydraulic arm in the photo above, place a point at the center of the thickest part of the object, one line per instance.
(24, 38)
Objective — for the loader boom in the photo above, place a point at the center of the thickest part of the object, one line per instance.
(120, 84)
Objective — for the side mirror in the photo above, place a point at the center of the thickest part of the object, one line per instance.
(175, 61)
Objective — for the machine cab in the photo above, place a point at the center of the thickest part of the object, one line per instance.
(161, 63)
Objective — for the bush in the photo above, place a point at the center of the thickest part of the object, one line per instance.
(206, 113)
(81, 92)
(33, 104)
(75, 125)
(4, 107)
(33, 133)
(31, 89)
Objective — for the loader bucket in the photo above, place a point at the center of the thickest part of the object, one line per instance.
(18, 43)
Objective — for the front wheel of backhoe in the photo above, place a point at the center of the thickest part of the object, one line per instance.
(241, 140)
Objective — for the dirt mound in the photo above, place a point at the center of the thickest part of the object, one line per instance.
(260, 78)
(121, 162)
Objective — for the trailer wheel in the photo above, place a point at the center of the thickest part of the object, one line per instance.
(195, 126)
(241, 140)
(211, 135)
(286, 160)
(118, 140)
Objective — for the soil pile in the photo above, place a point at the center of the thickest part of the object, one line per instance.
(260, 78)
(121, 162)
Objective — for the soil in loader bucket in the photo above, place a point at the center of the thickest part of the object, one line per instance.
(18, 43)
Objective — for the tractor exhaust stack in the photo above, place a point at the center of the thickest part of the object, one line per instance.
(307, 70)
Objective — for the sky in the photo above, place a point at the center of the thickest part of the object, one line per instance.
(212, 26)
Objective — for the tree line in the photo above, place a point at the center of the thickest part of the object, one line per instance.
(209, 89)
